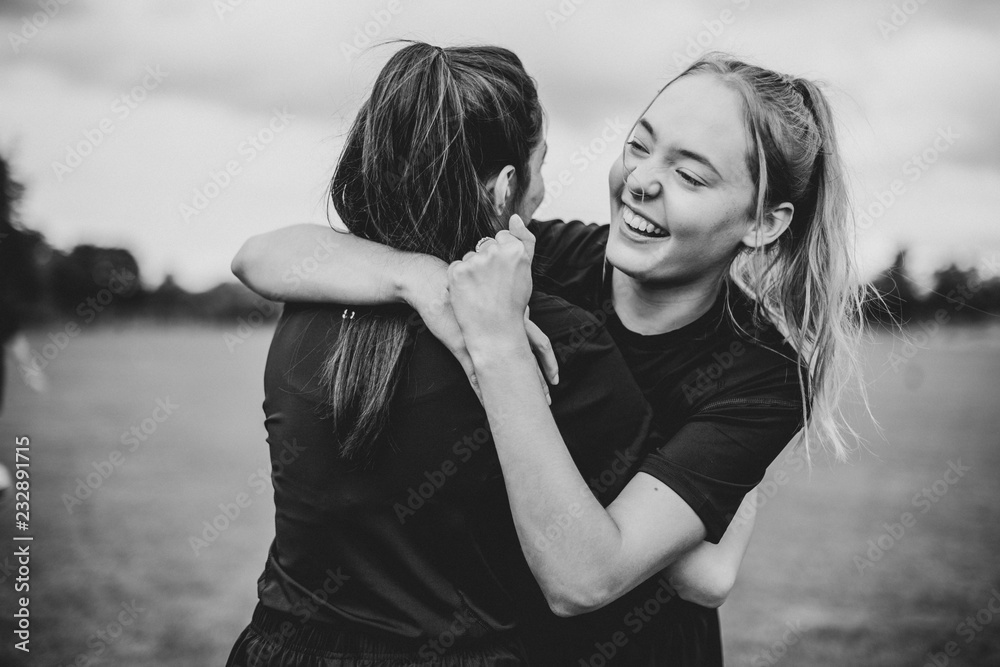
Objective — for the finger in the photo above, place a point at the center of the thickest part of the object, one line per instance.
(504, 237)
(455, 271)
(475, 387)
(470, 371)
(542, 348)
(521, 232)
(509, 242)
(517, 226)
(545, 385)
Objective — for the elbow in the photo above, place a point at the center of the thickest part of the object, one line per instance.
(711, 593)
(242, 259)
(246, 266)
(566, 607)
(576, 599)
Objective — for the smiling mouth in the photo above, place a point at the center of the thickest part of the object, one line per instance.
(641, 225)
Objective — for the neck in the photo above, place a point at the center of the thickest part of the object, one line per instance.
(654, 309)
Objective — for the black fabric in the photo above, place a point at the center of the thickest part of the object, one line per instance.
(421, 545)
(727, 400)
(726, 397)
(274, 638)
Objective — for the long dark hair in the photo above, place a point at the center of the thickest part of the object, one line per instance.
(438, 125)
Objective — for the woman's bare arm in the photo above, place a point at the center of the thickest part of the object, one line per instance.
(318, 264)
(601, 553)
(706, 574)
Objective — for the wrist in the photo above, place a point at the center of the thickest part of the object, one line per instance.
(499, 350)
(416, 277)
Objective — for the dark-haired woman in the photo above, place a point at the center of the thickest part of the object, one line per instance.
(726, 277)
(394, 541)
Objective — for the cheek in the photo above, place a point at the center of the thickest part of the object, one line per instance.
(616, 178)
(539, 188)
(715, 240)
(708, 220)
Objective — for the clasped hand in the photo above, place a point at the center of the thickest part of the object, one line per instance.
(483, 311)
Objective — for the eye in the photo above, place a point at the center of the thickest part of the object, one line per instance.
(636, 146)
(691, 180)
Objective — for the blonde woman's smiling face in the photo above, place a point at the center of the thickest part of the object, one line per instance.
(687, 205)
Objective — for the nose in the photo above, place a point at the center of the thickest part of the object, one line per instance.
(642, 183)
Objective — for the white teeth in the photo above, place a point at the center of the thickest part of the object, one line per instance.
(634, 221)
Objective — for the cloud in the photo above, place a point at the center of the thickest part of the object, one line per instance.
(596, 63)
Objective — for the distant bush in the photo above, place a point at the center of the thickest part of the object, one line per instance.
(956, 295)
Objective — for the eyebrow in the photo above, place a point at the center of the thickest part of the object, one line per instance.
(646, 126)
(701, 159)
(683, 152)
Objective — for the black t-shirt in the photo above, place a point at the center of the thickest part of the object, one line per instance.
(419, 548)
(726, 396)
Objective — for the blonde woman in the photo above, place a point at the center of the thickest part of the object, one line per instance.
(726, 280)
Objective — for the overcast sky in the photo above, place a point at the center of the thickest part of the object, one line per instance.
(116, 114)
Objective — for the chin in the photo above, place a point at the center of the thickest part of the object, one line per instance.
(631, 261)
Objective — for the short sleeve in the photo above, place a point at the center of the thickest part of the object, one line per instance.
(569, 259)
(723, 450)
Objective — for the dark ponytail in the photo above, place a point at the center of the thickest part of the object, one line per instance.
(438, 125)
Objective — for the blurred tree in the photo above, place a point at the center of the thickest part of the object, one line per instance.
(898, 297)
(92, 279)
(19, 284)
(964, 294)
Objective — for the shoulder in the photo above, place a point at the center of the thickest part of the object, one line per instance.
(569, 259)
(558, 231)
(301, 342)
(568, 326)
(308, 323)
(572, 241)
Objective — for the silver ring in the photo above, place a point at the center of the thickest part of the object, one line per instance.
(482, 241)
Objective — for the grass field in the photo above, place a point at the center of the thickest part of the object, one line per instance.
(115, 579)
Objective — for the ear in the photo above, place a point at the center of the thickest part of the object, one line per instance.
(774, 225)
(503, 188)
